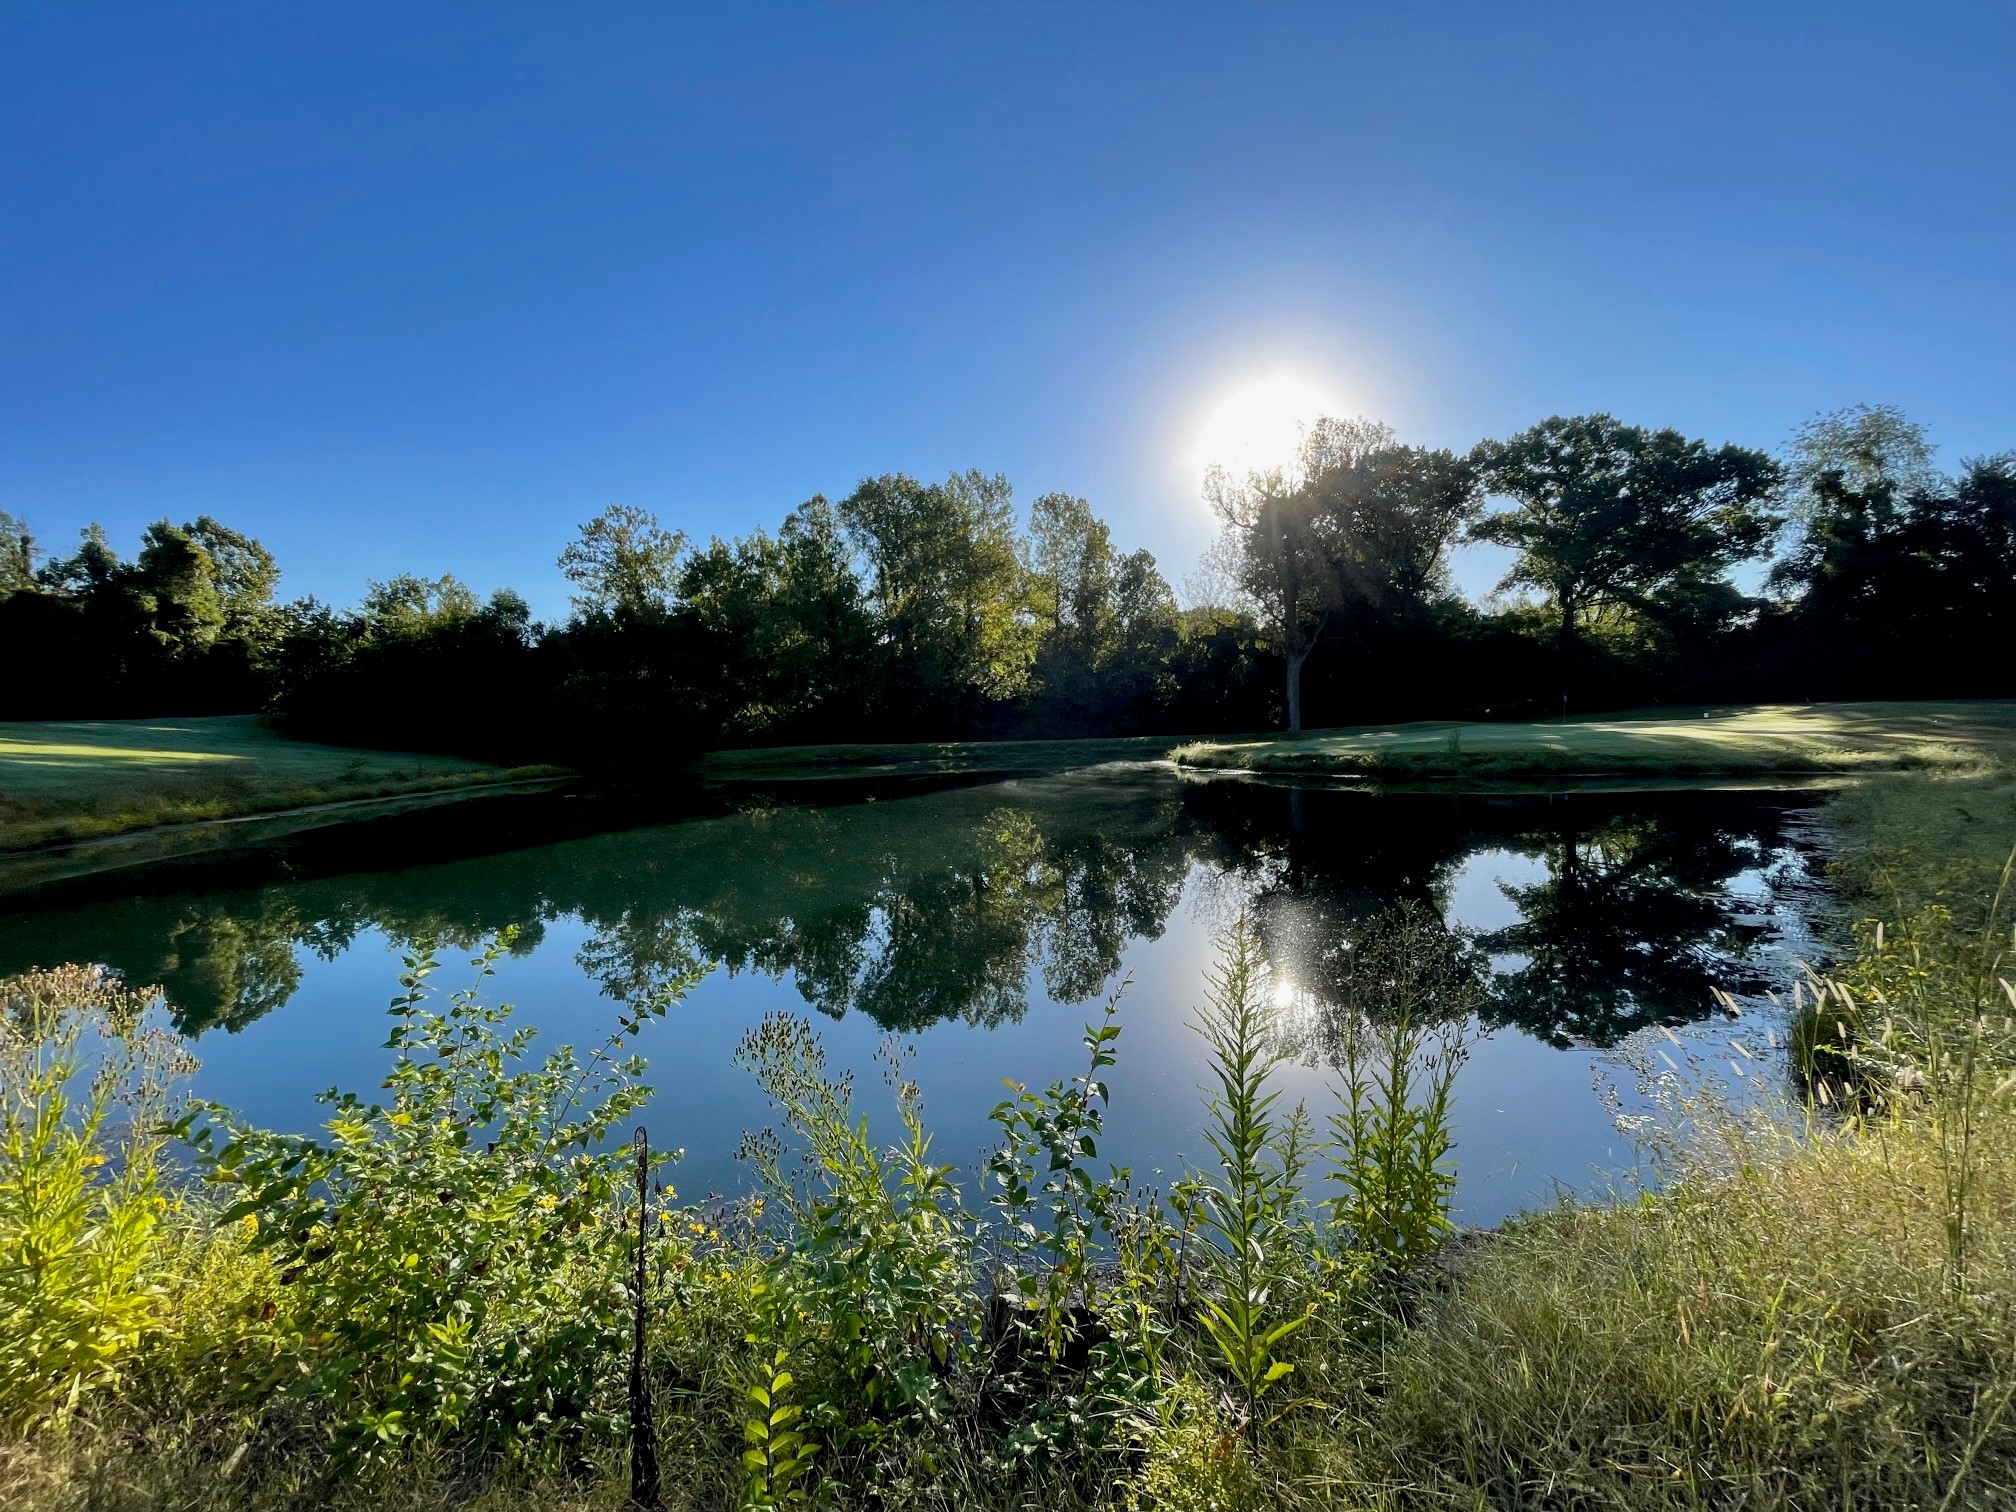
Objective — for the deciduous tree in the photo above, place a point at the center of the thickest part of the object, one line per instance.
(625, 563)
(1071, 567)
(944, 577)
(1359, 529)
(1610, 518)
(17, 555)
(1282, 538)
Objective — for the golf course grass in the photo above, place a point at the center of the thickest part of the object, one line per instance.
(1003, 758)
(1742, 740)
(75, 780)
(68, 781)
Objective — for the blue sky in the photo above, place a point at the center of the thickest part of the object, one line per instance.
(418, 288)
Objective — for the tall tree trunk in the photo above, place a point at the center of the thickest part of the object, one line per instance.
(1564, 642)
(1299, 648)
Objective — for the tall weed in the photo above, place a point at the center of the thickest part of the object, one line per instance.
(84, 1085)
(1397, 1036)
(451, 1260)
(1249, 1208)
(1053, 1210)
(869, 1287)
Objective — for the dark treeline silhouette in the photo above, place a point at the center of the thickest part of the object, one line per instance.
(912, 610)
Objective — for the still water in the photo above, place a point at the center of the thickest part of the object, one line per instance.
(982, 925)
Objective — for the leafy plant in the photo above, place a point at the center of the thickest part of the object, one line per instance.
(1052, 1208)
(1397, 1039)
(454, 1257)
(1247, 1211)
(778, 1458)
(80, 1192)
(872, 1287)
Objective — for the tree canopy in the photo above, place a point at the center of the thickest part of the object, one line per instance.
(1355, 534)
(1615, 521)
(915, 610)
(625, 563)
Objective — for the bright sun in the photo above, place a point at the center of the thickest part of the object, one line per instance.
(1260, 427)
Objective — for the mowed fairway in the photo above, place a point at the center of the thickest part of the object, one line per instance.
(74, 779)
(1004, 758)
(1732, 740)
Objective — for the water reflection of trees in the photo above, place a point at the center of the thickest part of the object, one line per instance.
(1634, 924)
(915, 915)
(938, 907)
(1638, 913)
(947, 905)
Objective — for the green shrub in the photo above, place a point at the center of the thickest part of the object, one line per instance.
(83, 1085)
(451, 1259)
(869, 1291)
(1059, 1230)
(1248, 1211)
(1397, 1039)
(1054, 1213)
(1189, 1458)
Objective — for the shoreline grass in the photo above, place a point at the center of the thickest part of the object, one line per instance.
(1737, 740)
(63, 782)
(1006, 758)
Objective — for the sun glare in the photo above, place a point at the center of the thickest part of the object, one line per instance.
(1260, 427)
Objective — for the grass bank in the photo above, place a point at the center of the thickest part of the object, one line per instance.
(998, 758)
(63, 781)
(1734, 741)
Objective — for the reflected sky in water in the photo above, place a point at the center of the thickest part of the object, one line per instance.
(983, 924)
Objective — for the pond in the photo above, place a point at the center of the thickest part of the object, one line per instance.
(983, 924)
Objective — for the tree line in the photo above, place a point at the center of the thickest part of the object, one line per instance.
(1882, 577)
(912, 610)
